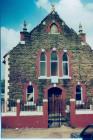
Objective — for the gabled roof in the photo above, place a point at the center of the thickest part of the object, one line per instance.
(53, 16)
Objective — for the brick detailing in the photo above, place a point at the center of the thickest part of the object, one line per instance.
(18, 108)
(63, 96)
(35, 92)
(48, 64)
(24, 122)
(84, 94)
(56, 23)
(40, 121)
(79, 120)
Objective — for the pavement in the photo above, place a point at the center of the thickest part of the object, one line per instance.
(62, 132)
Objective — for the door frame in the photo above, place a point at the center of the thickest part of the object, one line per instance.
(63, 96)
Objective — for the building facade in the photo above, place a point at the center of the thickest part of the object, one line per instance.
(51, 63)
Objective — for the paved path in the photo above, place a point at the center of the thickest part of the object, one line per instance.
(62, 132)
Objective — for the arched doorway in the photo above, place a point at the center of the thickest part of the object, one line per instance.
(54, 107)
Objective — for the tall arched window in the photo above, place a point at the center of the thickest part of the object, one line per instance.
(43, 64)
(53, 29)
(65, 64)
(54, 64)
(30, 93)
(78, 93)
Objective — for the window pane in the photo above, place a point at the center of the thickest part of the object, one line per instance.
(65, 68)
(42, 68)
(54, 29)
(78, 92)
(30, 89)
(65, 57)
(29, 97)
(42, 57)
(78, 96)
(53, 56)
(78, 88)
(53, 68)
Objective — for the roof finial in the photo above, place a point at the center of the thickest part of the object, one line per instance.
(80, 28)
(25, 26)
(53, 7)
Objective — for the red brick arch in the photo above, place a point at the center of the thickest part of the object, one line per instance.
(84, 92)
(63, 95)
(57, 24)
(48, 56)
(35, 92)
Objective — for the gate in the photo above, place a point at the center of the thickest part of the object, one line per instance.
(54, 107)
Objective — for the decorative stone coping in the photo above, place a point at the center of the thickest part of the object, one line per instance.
(72, 100)
(84, 111)
(9, 114)
(45, 100)
(30, 113)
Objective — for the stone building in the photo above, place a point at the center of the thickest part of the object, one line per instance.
(51, 62)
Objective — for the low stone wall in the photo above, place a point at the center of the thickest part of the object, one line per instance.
(19, 119)
(80, 118)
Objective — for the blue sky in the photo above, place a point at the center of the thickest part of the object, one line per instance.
(14, 12)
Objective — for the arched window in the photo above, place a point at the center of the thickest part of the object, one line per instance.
(43, 64)
(78, 93)
(30, 93)
(53, 29)
(54, 64)
(65, 63)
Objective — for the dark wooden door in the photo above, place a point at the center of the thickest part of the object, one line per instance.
(54, 107)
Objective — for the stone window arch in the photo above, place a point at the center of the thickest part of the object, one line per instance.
(54, 63)
(65, 64)
(79, 92)
(54, 29)
(43, 64)
(30, 93)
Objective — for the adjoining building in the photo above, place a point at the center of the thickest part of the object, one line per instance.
(49, 76)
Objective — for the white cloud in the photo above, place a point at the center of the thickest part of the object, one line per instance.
(9, 39)
(74, 12)
(44, 4)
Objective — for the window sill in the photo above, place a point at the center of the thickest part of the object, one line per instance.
(51, 77)
(29, 103)
(80, 102)
(42, 77)
(65, 77)
(54, 33)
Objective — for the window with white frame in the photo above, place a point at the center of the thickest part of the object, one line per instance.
(53, 29)
(65, 64)
(79, 93)
(54, 64)
(42, 64)
(30, 93)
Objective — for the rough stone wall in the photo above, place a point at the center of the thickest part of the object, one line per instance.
(23, 58)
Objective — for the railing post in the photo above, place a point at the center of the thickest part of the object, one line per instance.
(72, 111)
(45, 111)
(18, 107)
(45, 106)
